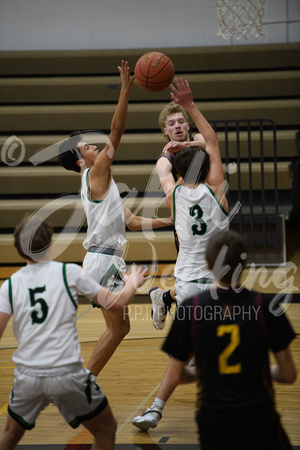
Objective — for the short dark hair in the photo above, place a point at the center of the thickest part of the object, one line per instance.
(68, 153)
(231, 248)
(193, 164)
(32, 237)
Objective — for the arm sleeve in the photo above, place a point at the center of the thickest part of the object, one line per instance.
(178, 343)
(5, 305)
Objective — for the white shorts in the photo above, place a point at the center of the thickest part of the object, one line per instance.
(186, 289)
(105, 269)
(73, 389)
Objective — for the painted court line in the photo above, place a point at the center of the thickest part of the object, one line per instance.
(84, 435)
(137, 350)
(136, 410)
(84, 312)
(3, 409)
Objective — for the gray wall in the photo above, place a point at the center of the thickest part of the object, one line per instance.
(117, 24)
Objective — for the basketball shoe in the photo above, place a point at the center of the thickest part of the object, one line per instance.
(149, 419)
(159, 309)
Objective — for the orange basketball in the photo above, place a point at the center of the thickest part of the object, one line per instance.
(154, 72)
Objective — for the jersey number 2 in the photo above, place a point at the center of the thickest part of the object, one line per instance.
(224, 366)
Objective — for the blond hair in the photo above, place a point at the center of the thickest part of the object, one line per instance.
(171, 108)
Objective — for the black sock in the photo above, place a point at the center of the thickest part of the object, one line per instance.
(167, 298)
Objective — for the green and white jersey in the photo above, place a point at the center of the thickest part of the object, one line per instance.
(197, 215)
(43, 300)
(105, 218)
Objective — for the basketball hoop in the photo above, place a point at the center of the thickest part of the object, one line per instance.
(239, 18)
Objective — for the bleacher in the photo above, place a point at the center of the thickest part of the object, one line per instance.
(44, 96)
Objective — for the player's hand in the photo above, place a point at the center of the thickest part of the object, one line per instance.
(137, 276)
(182, 93)
(174, 147)
(127, 79)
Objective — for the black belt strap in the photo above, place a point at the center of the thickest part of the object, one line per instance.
(105, 250)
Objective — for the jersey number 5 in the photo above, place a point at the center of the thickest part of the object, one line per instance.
(200, 227)
(224, 366)
(37, 317)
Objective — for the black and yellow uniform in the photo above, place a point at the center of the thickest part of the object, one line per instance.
(230, 333)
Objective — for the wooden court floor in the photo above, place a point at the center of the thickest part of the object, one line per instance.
(130, 381)
(131, 378)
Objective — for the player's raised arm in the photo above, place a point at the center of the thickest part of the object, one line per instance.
(99, 176)
(118, 123)
(182, 95)
(164, 172)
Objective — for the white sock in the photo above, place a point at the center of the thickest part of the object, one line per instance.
(158, 403)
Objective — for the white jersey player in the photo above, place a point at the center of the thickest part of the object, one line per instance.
(197, 215)
(42, 297)
(199, 208)
(106, 217)
(106, 235)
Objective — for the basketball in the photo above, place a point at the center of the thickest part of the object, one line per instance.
(154, 72)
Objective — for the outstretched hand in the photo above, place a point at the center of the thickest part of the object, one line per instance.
(126, 78)
(182, 95)
(137, 276)
(174, 147)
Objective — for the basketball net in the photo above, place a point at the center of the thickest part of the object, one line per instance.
(239, 18)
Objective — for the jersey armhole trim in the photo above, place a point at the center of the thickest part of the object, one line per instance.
(169, 158)
(174, 203)
(10, 295)
(88, 189)
(214, 195)
(67, 286)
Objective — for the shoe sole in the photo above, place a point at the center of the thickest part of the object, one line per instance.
(163, 322)
(144, 425)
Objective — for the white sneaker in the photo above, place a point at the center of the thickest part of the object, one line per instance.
(192, 362)
(159, 309)
(149, 419)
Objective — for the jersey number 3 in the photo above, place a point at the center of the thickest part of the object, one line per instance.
(200, 227)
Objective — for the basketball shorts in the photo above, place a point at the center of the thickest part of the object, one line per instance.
(186, 289)
(105, 269)
(241, 431)
(72, 388)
